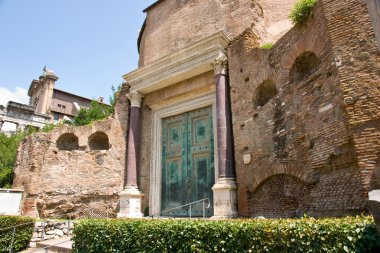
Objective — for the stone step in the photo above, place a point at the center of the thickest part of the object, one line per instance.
(60, 245)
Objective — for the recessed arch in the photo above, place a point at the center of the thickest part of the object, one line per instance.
(265, 92)
(304, 65)
(68, 141)
(98, 141)
(280, 196)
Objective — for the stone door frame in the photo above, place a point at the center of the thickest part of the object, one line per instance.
(178, 107)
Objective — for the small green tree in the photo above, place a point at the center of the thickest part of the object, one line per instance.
(115, 94)
(301, 11)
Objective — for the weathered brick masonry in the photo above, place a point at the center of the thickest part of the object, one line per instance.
(355, 47)
(71, 170)
(311, 145)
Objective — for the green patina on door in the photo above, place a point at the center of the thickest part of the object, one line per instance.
(187, 161)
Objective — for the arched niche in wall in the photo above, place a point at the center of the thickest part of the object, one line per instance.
(304, 65)
(280, 196)
(68, 141)
(98, 141)
(265, 92)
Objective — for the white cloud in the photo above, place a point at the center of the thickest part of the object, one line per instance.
(19, 95)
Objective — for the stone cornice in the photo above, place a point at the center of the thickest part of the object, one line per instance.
(183, 64)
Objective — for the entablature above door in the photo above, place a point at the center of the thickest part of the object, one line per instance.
(183, 64)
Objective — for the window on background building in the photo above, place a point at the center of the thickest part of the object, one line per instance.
(56, 116)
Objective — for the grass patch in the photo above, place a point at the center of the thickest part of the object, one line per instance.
(266, 46)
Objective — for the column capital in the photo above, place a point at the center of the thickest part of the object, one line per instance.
(220, 64)
(135, 97)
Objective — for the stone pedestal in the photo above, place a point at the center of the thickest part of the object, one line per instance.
(374, 207)
(225, 199)
(130, 203)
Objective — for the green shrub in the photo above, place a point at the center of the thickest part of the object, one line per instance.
(48, 128)
(266, 46)
(8, 155)
(97, 111)
(351, 234)
(23, 233)
(301, 11)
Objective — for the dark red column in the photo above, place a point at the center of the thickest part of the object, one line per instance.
(133, 139)
(224, 124)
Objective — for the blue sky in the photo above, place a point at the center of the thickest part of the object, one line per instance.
(89, 44)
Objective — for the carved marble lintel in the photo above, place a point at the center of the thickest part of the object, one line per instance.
(220, 64)
(135, 97)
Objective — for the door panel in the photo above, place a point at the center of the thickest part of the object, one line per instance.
(188, 161)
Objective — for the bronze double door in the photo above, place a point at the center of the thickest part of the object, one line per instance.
(187, 162)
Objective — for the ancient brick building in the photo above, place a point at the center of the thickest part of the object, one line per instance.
(277, 132)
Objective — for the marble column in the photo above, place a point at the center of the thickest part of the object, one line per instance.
(225, 201)
(131, 197)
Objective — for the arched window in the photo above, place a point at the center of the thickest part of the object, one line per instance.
(67, 141)
(304, 65)
(98, 141)
(265, 92)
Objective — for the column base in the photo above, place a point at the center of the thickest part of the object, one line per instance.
(130, 203)
(225, 204)
(374, 207)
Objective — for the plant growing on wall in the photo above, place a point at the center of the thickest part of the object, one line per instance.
(302, 10)
(97, 111)
(266, 46)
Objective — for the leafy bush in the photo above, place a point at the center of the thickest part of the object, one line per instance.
(266, 46)
(48, 128)
(301, 11)
(8, 155)
(97, 111)
(23, 233)
(351, 234)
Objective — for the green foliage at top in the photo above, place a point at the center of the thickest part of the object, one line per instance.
(351, 234)
(301, 11)
(8, 155)
(48, 127)
(97, 111)
(24, 231)
(266, 46)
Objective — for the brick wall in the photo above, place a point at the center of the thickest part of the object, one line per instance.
(172, 25)
(302, 132)
(61, 183)
(356, 52)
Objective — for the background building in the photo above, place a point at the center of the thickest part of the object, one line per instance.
(47, 104)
